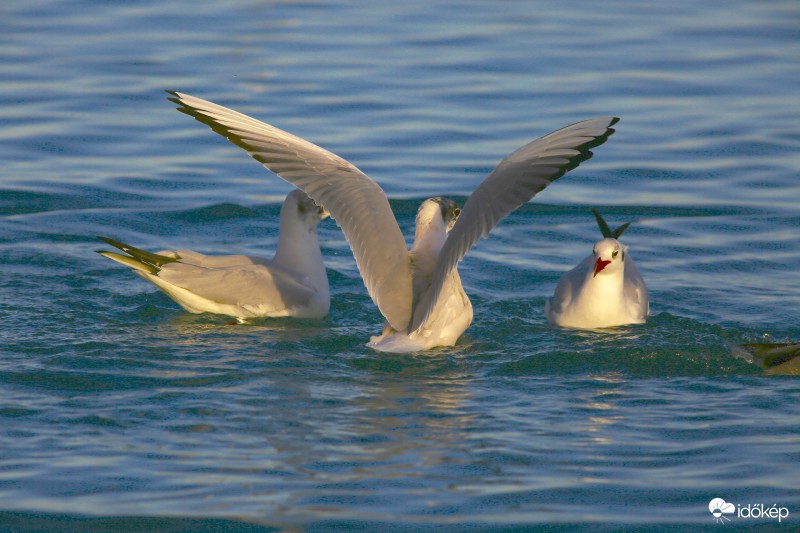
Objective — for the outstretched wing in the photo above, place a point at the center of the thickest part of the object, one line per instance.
(357, 203)
(513, 182)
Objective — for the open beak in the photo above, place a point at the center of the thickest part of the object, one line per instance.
(600, 265)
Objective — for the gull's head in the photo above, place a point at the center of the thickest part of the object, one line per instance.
(609, 257)
(298, 204)
(438, 209)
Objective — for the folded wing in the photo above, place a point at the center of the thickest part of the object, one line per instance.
(513, 182)
(249, 285)
(357, 203)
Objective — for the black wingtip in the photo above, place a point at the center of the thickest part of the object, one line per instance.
(597, 141)
(602, 224)
(177, 100)
(606, 230)
(611, 131)
(620, 230)
(144, 256)
(116, 244)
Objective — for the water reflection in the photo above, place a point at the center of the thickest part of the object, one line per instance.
(599, 403)
(365, 440)
(225, 335)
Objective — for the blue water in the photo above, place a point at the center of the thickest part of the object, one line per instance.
(120, 411)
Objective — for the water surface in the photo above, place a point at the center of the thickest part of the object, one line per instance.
(120, 411)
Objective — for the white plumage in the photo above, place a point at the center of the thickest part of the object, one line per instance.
(419, 292)
(293, 283)
(604, 290)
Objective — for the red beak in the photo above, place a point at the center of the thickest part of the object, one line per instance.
(600, 265)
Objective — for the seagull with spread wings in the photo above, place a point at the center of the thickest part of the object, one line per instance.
(419, 292)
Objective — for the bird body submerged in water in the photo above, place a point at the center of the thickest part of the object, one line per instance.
(452, 313)
(419, 292)
(293, 283)
(604, 290)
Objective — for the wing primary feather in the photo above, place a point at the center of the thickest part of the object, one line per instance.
(136, 256)
(602, 224)
(606, 230)
(515, 180)
(129, 261)
(620, 230)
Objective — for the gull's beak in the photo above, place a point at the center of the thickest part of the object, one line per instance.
(600, 265)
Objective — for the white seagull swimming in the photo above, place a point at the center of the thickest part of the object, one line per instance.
(604, 290)
(293, 283)
(419, 291)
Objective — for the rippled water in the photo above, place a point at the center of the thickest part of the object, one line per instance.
(119, 411)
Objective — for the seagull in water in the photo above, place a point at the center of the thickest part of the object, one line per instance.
(604, 290)
(418, 292)
(293, 283)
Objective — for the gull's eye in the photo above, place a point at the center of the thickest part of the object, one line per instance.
(456, 212)
(594, 251)
(301, 208)
(614, 254)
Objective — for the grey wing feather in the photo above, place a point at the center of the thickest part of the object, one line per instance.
(512, 183)
(635, 287)
(191, 257)
(569, 285)
(255, 285)
(357, 203)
